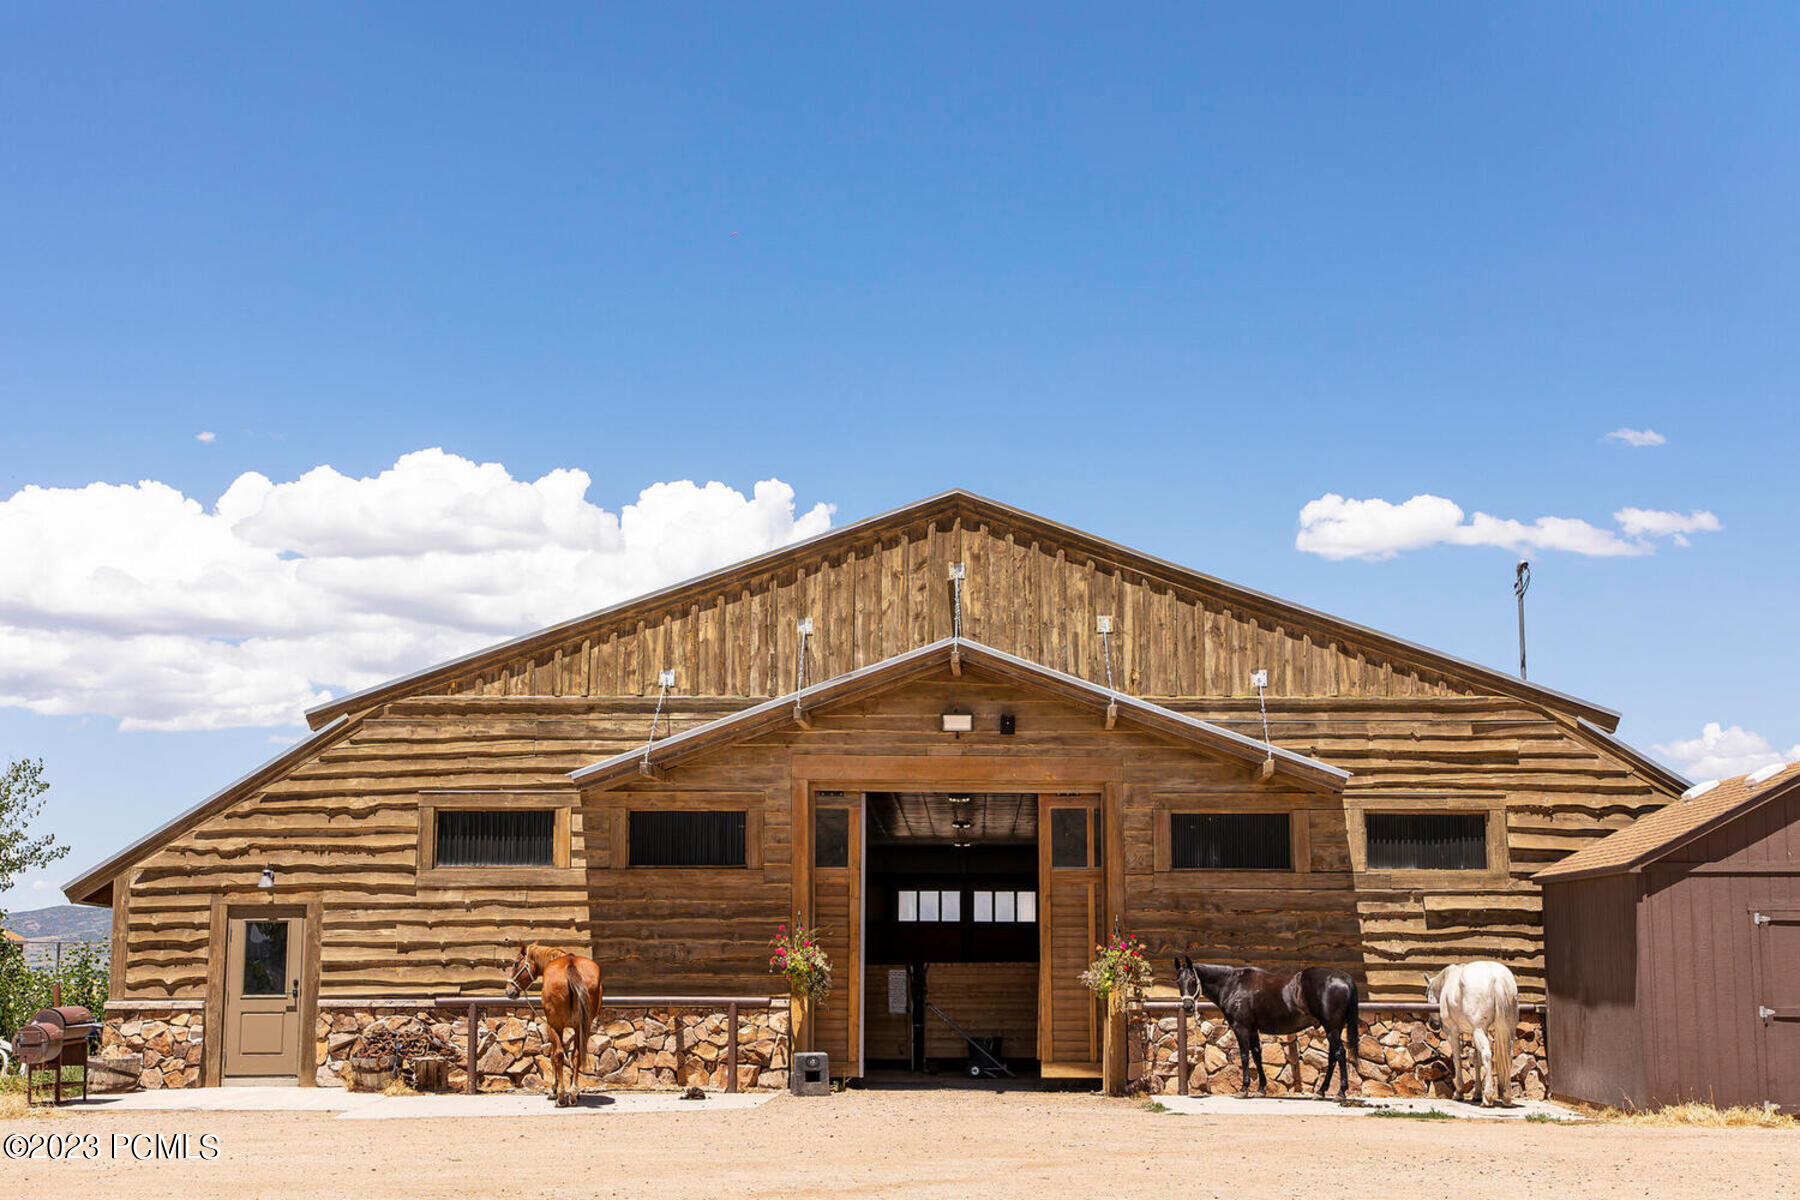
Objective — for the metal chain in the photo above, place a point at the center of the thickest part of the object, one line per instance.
(800, 664)
(956, 618)
(1106, 649)
(656, 717)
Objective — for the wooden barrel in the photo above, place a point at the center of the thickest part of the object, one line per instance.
(370, 1074)
(118, 1073)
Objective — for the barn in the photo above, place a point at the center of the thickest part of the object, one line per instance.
(963, 740)
(1673, 952)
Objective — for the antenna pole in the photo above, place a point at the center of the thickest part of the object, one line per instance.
(1521, 585)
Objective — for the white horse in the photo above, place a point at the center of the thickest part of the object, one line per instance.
(1479, 1001)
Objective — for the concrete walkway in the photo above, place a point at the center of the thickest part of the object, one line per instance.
(1300, 1106)
(368, 1106)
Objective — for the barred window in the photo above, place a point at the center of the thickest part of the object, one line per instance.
(1426, 841)
(675, 838)
(1230, 842)
(503, 838)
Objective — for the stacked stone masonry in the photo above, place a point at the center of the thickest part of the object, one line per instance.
(1396, 1054)
(173, 1044)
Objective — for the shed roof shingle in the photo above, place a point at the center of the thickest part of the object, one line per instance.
(1647, 838)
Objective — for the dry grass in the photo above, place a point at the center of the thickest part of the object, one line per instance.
(12, 1102)
(399, 1087)
(1696, 1116)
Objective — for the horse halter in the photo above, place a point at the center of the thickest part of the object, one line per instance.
(516, 986)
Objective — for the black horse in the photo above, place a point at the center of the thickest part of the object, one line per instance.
(1258, 1002)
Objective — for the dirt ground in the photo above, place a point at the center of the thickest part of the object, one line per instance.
(951, 1144)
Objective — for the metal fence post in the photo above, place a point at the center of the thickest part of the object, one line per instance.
(469, 1083)
(1181, 1047)
(731, 1046)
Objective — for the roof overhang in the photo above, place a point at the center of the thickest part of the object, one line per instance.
(957, 653)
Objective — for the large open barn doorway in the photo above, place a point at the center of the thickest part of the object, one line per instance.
(951, 933)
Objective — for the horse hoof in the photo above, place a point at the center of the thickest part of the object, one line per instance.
(1244, 1095)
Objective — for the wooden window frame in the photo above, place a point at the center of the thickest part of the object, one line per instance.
(749, 803)
(1498, 872)
(1167, 807)
(564, 869)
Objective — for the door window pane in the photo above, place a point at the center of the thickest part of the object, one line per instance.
(909, 905)
(1028, 906)
(1068, 837)
(951, 908)
(984, 906)
(928, 906)
(831, 837)
(265, 958)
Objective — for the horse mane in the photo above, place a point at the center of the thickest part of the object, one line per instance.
(542, 956)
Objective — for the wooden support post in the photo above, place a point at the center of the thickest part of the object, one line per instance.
(1266, 771)
(474, 1025)
(731, 1046)
(800, 717)
(1112, 713)
(956, 660)
(651, 772)
(1181, 1050)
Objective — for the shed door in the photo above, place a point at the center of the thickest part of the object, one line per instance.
(1778, 988)
(837, 910)
(262, 997)
(1069, 924)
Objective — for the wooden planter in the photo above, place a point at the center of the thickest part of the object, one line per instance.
(370, 1074)
(430, 1073)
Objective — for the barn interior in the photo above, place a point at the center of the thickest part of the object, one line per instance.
(951, 932)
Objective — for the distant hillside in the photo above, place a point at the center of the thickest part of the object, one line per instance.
(75, 922)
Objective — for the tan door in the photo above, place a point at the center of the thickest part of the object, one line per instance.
(262, 997)
(1778, 1002)
(837, 911)
(1070, 881)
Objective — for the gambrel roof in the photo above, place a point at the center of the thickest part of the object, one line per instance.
(956, 653)
(971, 508)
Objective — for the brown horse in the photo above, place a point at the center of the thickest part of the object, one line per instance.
(571, 995)
(1256, 1002)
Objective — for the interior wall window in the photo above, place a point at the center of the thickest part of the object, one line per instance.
(930, 905)
(697, 838)
(1005, 907)
(468, 837)
(1229, 841)
(831, 837)
(1426, 841)
(1068, 837)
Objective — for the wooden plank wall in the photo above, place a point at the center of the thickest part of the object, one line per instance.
(342, 828)
(1024, 594)
(987, 999)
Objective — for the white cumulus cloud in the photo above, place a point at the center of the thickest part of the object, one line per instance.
(1337, 527)
(1636, 437)
(138, 602)
(207, 436)
(1722, 753)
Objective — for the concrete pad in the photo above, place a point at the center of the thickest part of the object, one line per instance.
(1300, 1106)
(536, 1104)
(372, 1106)
(235, 1099)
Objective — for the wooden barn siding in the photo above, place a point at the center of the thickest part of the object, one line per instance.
(342, 828)
(891, 593)
(1702, 1036)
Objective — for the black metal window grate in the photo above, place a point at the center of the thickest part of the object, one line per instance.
(506, 838)
(1230, 842)
(687, 839)
(1426, 841)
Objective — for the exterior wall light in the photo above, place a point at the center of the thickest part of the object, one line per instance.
(267, 882)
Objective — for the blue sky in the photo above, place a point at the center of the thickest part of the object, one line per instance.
(1170, 277)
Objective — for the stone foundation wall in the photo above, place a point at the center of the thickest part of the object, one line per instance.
(630, 1048)
(1397, 1054)
(172, 1042)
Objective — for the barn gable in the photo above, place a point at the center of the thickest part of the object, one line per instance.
(880, 587)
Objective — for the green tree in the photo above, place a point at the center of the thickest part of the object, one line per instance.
(21, 799)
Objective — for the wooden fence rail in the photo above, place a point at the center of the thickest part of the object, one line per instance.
(1181, 1025)
(733, 1005)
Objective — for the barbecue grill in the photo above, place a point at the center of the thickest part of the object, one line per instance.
(54, 1039)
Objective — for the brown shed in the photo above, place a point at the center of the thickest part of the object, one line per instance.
(1672, 952)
